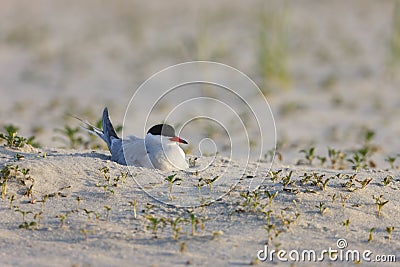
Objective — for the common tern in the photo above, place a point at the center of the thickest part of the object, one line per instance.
(159, 149)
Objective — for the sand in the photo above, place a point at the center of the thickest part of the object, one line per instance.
(333, 80)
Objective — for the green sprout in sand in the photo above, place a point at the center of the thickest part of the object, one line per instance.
(379, 202)
(171, 180)
(371, 231)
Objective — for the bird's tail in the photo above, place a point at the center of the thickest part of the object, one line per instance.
(106, 133)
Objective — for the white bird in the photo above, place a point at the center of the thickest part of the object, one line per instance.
(159, 149)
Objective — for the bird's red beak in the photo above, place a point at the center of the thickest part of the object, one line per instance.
(177, 139)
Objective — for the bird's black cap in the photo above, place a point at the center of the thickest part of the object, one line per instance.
(162, 129)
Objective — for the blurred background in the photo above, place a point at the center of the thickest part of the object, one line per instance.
(329, 69)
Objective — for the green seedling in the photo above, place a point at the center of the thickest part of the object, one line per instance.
(368, 136)
(29, 193)
(349, 184)
(175, 226)
(391, 161)
(62, 218)
(107, 212)
(387, 180)
(26, 225)
(322, 160)
(11, 137)
(323, 184)
(155, 224)
(25, 172)
(120, 177)
(171, 180)
(72, 140)
(305, 178)
(333, 197)
(322, 208)
(359, 161)
(343, 199)
(11, 198)
(370, 236)
(194, 221)
(3, 188)
(5, 175)
(251, 200)
(38, 216)
(105, 171)
(346, 223)
(364, 182)
(274, 175)
(44, 200)
(88, 212)
(211, 181)
(23, 213)
(286, 180)
(309, 154)
(271, 196)
(379, 202)
(389, 230)
(336, 158)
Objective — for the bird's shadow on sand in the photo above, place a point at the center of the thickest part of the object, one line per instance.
(92, 154)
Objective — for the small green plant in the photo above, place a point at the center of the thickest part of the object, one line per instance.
(391, 161)
(271, 196)
(155, 224)
(358, 160)
(175, 227)
(370, 236)
(275, 175)
(343, 199)
(11, 198)
(309, 154)
(322, 208)
(23, 213)
(194, 221)
(171, 180)
(70, 137)
(105, 171)
(107, 212)
(62, 218)
(389, 230)
(286, 180)
(336, 158)
(387, 180)
(11, 137)
(346, 223)
(28, 225)
(379, 202)
(211, 181)
(364, 182)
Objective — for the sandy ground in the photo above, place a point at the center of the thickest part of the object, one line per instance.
(333, 80)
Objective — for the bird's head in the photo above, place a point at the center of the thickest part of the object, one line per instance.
(166, 132)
